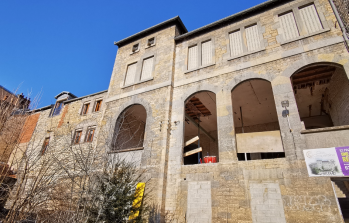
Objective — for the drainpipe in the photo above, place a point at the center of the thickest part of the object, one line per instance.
(340, 23)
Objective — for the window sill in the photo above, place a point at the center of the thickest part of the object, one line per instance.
(198, 68)
(134, 52)
(126, 150)
(327, 129)
(245, 54)
(306, 36)
(149, 46)
(139, 82)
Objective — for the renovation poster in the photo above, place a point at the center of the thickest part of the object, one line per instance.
(327, 162)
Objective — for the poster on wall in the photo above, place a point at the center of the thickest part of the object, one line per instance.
(327, 162)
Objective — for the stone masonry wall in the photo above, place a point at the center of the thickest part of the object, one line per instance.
(282, 181)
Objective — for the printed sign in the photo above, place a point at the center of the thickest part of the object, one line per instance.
(327, 162)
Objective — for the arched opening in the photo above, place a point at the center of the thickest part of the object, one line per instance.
(322, 95)
(256, 123)
(200, 129)
(130, 128)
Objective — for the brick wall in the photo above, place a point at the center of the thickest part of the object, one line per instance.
(29, 127)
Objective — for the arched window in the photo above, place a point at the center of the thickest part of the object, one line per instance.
(322, 95)
(256, 123)
(200, 130)
(130, 128)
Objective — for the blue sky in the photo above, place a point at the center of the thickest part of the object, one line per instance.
(55, 46)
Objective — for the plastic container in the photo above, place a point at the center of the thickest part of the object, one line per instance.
(210, 159)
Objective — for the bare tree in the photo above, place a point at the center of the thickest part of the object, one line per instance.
(70, 181)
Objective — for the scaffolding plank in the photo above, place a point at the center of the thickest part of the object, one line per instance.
(191, 152)
(196, 138)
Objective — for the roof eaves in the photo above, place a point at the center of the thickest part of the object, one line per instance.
(247, 11)
(76, 99)
(65, 92)
(42, 109)
(139, 34)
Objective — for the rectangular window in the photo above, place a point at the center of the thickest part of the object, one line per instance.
(45, 145)
(252, 38)
(89, 135)
(147, 68)
(235, 43)
(289, 26)
(77, 137)
(58, 108)
(193, 57)
(135, 48)
(98, 105)
(130, 74)
(151, 41)
(85, 109)
(310, 18)
(206, 53)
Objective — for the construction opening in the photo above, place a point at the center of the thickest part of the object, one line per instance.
(200, 135)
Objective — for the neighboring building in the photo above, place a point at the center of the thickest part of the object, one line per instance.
(229, 83)
(12, 118)
(8, 98)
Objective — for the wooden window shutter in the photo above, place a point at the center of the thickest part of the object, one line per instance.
(147, 68)
(193, 57)
(252, 37)
(206, 52)
(310, 18)
(130, 74)
(289, 26)
(235, 43)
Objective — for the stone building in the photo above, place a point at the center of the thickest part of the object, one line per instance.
(252, 90)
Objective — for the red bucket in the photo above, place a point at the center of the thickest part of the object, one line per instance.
(210, 159)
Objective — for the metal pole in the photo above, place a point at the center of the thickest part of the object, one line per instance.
(199, 138)
(242, 128)
(288, 120)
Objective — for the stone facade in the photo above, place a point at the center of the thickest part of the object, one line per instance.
(231, 190)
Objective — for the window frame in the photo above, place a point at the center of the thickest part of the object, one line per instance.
(295, 8)
(139, 64)
(198, 43)
(93, 128)
(136, 50)
(45, 145)
(152, 69)
(151, 45)
(55, 106)
(78, 131)
(125, 76)
(100, 106)
(83, 106)
(242, 28)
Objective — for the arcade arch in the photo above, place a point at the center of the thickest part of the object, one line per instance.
(200, 128)
(130, 128)
(256, 122)
(322, 95)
